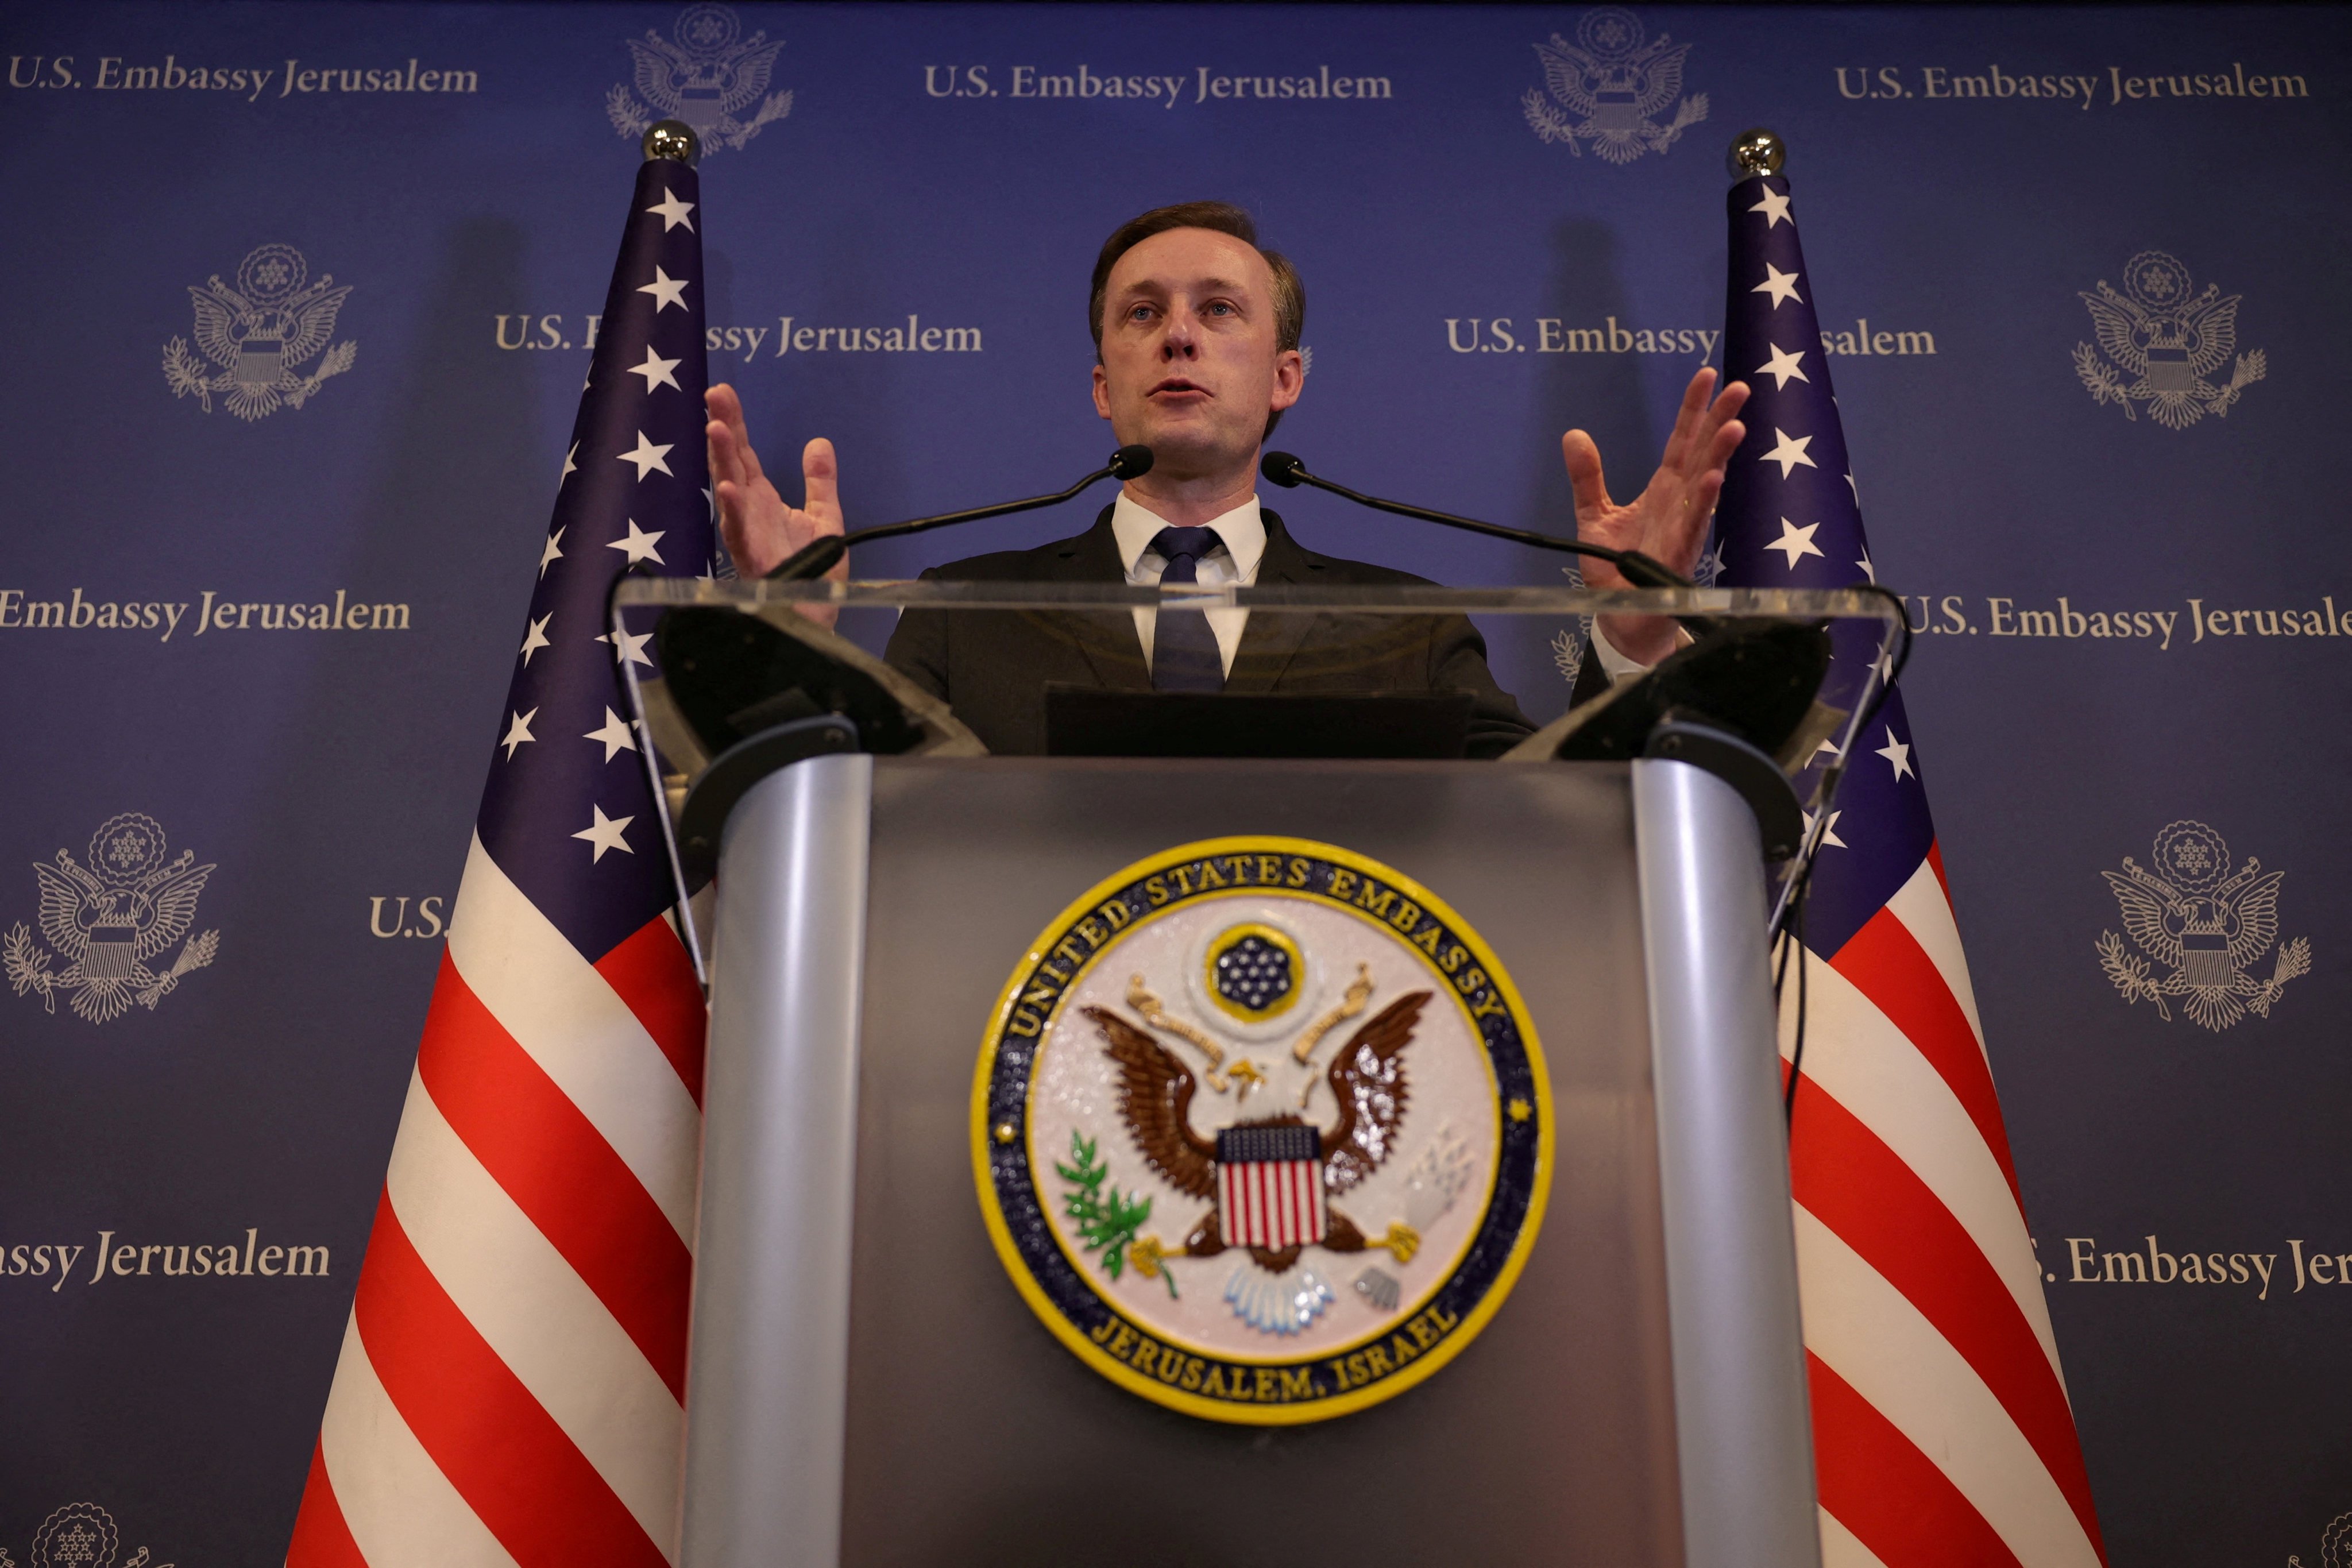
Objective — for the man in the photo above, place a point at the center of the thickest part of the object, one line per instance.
(1197, 331)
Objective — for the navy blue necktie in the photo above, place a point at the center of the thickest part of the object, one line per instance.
(1183, 649)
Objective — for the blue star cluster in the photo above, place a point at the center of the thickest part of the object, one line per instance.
(1253, 973)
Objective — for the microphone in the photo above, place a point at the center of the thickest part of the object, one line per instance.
(1641, 571)
(816, 558)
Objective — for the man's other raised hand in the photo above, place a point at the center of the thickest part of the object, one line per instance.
(760, 527)
(1667, 521)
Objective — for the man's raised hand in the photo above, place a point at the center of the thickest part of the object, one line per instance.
(1667, 521)
(762, 528)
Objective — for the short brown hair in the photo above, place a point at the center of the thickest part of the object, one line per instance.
(1224, 217)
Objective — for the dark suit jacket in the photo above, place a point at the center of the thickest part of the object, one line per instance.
(993, 667)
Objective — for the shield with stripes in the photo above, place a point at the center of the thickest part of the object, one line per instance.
(1270, 1186)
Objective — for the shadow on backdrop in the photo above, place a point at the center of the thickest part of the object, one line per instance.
(460, 495)
(1602, 392)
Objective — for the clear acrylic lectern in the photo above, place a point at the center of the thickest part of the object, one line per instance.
(999, 1046)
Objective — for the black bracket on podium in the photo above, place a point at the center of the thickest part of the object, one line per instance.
(743, 694)
(733, 773)
(1780, 821)
(1741, 702)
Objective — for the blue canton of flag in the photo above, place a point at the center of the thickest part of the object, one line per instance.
(1790, 518)
(568, 811)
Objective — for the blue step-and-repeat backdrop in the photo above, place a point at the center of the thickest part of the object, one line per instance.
(2084, 273)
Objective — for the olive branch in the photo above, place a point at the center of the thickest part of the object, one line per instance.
(621, 109)
(186, 374)
(2100, 381)
(1108, 1223)
(28, 970)
(2130, 975)
(1548, 123)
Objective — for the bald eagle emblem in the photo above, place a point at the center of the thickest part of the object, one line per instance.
(110, 920)
(1261, 1128)
(258, 335)
(2205, 923)
(1609, 87)
(705, 73)
(1269, 1178)
(2167, 340)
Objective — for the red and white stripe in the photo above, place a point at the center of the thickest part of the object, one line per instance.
(512, 1376)
(1272, 1203)
(1942, 1433)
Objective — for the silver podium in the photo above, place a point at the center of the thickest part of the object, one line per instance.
(867, 1387)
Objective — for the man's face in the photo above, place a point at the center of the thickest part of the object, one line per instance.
(1189, 364)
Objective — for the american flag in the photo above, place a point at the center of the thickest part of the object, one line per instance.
(1942, 1434)
(1270, 1186)
(513, 1370)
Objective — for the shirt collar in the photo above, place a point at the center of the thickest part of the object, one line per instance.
(1241, 530)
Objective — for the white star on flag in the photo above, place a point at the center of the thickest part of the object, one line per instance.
(1829, 746)
(569, 468)
(668, 290)
(1868, 569)
(519, 732)
(657, 370)
(673, 211)
(639, 545)
(1896, 753)
(1775, 209)
(536, 639)
(1781, 286)
(1796, 542)
(647, 456)
(1788, 451)
(1782, 367)
(605, 833)
(552, 554)
(632, 647)
(1855, 488)
(615, 734)
(1830, 840)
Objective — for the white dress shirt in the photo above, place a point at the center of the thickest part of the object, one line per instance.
(1241, 533)
(1621, 668)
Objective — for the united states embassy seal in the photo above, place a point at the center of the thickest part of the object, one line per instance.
(108, 920)
(259, 334)
(1261, 1130)
(707, 74)
(2166, 339)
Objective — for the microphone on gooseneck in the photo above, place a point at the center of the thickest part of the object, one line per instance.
(1641, 571)
(815, 559)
